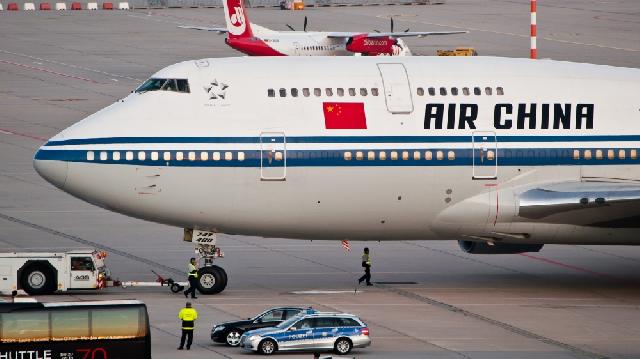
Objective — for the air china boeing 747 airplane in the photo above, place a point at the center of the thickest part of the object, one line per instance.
(502, 155)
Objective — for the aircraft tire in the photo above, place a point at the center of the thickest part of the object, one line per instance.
(211, 280)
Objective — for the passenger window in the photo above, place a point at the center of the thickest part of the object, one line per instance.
(216, 156)
(443, 91)
(405, 155)
(305, 324)
(611, 155)
(116, 156)
(465, 91)
(363, 92)
(420, 91)
(271, 93)
(598, 154)
(204, 156)
(499, 91)
(432, 91)
(487, 91)
(240, 156)
(278, 156)
(439, 155)
(622, 154)
(103, 156)
(273, 316)
(228, 156)
(452, 155)
(317, 92)
(416, 155)
(192, 156)
(183, 86)
(154, 156)
(167, 156)
(454, 91)
(328, 92)
(633, 154)
(587, 154)
(347, 156)
(576, 154)
(69, 323)
(374, 91)
(490, 155)
(129, 156)
(294, 92)
(24, 327)
(359, 156)
(476, 91)
(283, 93)
(348, 322)
(428, 155)
(352, 92)
(90, 156)
(142, 155)
(394, 155)
(306, 92)
(371, 155)
(382, 155)
(340, 91)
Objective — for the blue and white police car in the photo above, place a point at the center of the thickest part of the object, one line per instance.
(310, 331)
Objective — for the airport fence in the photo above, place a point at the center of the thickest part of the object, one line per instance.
(158, 4)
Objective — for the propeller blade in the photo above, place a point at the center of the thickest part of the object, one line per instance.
(289, 26)
(305, 24)
(391, 24)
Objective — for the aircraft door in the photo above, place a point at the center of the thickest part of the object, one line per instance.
(485, 155)
(397, 93)
(273, 156)
(82, 272)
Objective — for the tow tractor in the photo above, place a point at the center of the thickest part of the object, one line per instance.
(40, 273)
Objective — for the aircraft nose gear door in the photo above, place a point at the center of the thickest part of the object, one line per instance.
(397, 93)
(273, 156)
(485, 155)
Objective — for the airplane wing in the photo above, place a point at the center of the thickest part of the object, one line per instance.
(219, 30)
(339, 35)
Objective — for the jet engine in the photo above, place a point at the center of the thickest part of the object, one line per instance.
(371, 46)
(474, 247)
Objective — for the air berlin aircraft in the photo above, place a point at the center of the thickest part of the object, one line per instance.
(255, 40)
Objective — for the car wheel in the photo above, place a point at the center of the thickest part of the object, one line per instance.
(233, 337)
(342, 346)
(37, 279)
(267, 347)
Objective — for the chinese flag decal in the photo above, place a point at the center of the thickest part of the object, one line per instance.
(344, 116)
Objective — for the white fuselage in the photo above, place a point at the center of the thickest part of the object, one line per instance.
(449, 146)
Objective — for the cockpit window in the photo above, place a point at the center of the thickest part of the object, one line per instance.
(175, 85)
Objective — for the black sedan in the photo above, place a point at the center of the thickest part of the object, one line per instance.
(230, 332)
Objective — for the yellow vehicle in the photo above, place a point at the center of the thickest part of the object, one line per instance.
(460, 51)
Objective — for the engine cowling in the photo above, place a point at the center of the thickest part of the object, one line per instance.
(474, 247)
(371, 46)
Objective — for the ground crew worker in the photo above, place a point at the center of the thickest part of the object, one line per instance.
(188, 316)
(192, 274)
(366, 263)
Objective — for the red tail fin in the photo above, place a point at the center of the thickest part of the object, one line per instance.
(237, 19)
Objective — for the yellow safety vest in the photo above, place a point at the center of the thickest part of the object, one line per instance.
(188, 317)
(193, 271)
(366, 259)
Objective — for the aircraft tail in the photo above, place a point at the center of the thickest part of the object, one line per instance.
(237, 20)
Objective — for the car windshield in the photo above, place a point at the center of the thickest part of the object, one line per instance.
(288, 322)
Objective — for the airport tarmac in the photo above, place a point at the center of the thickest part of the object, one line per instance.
(430, 300)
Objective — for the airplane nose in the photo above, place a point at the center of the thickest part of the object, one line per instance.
(55, 172)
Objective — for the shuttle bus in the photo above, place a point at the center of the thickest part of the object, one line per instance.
(79, 330)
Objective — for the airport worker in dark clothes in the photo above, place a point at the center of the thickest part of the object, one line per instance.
(366, 263)
(188, 315)
(192, 274)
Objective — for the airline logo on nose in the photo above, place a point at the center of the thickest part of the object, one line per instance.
(236, 17)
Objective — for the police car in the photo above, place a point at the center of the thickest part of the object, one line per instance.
(310, 331)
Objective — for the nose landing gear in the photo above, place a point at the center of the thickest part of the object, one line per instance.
(212, 279)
